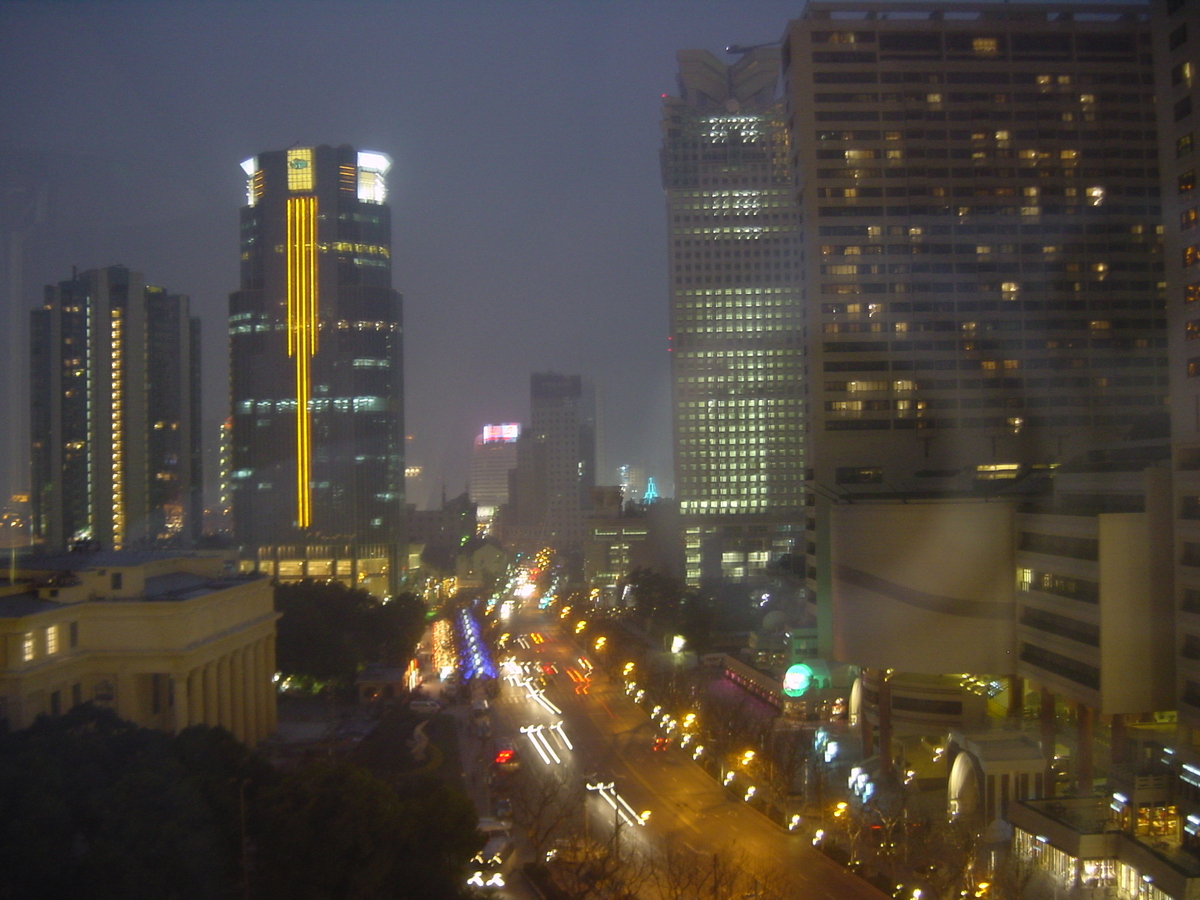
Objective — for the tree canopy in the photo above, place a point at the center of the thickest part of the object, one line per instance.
(93, 806)
(328, 631)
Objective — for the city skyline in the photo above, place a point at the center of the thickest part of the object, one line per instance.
(528, 220)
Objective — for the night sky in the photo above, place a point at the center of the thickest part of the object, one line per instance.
(528, 215)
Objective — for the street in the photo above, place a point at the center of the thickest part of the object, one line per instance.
(611, 739)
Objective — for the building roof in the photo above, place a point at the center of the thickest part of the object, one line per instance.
(179, 586)
(82, 560)
(21, 605)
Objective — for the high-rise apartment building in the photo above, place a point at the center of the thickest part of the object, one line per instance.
(982, 266)
(115, 405)
(1177, 67)
(315, 332)
(736, 318)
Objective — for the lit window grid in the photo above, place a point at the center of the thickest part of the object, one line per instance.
(116, 423)
(1042, 167)
(729, 225)
(27, 646)
(51, 639)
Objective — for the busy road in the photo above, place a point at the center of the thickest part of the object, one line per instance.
(575, 724)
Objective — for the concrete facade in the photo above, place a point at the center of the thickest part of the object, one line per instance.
(166, 642)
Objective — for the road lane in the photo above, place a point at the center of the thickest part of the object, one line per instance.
(613, 734)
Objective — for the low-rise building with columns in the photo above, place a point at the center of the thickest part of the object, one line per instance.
(167, 639)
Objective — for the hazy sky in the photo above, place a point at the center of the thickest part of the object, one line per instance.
(528, 219)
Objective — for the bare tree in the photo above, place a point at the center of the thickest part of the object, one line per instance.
(787, 754)
(611, 867)
(547, 807)
(678, 874)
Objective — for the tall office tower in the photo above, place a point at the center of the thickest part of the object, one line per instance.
(550, 485)
(492, 458)
(736, 319)
(115, 405)
(978, 184)
(562, 416)
(315, 329)
(1177, 64)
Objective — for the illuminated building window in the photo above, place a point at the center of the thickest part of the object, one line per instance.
(51, 639)
(254, 181)
(27, 646)
(985, 46)
(1191, 293)
(300, 169)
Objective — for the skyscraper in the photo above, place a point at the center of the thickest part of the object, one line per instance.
(562, 410)
(1177, 64)
(555, 471)
(115, 405)
(978, 184)
(736, 319)
(492, 458)
(315, 328)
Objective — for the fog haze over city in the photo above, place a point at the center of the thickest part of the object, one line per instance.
(528, 229)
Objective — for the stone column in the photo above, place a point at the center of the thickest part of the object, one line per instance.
(250, 698)
(127, 705)
(196, 696)
(182, 708)
(237, 693)
(270, 661)
(263, 687)
(212, 708)
(224, 700)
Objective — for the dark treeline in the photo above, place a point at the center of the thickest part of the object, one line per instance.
(93, 806)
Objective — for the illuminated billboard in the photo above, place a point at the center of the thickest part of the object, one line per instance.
(506, 433)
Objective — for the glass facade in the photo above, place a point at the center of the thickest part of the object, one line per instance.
(317, 426)
(736, 320)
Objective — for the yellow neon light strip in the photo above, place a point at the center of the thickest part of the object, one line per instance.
(117, 420)
(302, 335)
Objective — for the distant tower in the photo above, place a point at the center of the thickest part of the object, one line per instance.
(737, 365)
(493, 457)
(115, 405)
(563, 417)
(632, 480)
(318, 436)
(550, 487)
